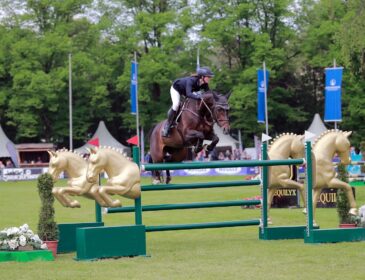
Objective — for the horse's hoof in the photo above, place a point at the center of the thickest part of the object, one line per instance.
(116, 203)
(304, 211)
(269, 221)
(353, 211)
(156, 182)
(75, 204)
(315, 224)
(168, 180)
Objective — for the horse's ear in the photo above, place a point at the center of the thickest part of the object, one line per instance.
(52, 153)
(92, 150)
(228, 94)
(347, 133)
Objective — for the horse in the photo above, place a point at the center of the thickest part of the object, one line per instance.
(195, 124)
(123, 175)
(324, 148)
(285, 146)
(75, 166)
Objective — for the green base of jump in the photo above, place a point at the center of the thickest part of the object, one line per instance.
(335, 235)
(26, 256)
(110, 242)
(67, 235)
(285, 232)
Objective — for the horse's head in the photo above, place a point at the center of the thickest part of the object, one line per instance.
(57, 164)
(95, 164)
(343, 146)
(220, 110)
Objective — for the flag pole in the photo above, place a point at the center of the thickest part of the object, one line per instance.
(70, 99)
(265, 95)
(334, 66)
(137, 111)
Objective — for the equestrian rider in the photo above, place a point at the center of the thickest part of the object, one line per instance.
(189, 87)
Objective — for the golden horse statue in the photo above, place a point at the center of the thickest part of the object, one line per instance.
(75, 166)
(285, 146)
(123, 175)
(324, 149)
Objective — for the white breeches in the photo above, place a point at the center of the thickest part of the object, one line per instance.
(175, 97)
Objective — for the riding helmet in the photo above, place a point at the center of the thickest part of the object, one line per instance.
(205, 71)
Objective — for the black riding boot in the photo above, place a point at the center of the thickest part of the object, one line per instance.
(170, 118)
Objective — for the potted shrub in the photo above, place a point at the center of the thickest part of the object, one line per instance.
(47, 227)
(343, 207)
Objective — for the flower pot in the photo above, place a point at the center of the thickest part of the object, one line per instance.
(52, 246)
(347, 226)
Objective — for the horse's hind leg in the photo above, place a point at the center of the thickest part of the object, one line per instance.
(131, 192)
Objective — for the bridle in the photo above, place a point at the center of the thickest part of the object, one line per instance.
(213, 113)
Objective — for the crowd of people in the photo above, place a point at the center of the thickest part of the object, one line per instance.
(222, 155)
(8, 164)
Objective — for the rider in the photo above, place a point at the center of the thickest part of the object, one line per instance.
(190, 87)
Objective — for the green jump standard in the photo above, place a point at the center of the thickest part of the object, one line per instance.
(26, 256)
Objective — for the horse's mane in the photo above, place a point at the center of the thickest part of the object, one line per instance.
(64, 150)
(323, 134)
(112, 149)
(278, 137)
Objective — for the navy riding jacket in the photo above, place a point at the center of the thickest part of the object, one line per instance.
(187, 85)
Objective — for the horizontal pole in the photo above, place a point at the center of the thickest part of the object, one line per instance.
(219, 164)
(203, 225)
(201, 185)
(186, 206)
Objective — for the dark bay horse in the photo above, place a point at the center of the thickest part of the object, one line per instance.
(195, 124)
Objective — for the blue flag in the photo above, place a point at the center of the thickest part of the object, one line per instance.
(134, 83)
(261, 94)
(332, 109)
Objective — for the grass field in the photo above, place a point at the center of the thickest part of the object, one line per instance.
(223, 253)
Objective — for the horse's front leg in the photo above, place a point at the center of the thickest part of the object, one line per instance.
(106, 191)
(62, 196)
(338, 184)
(215, 139)
(194, 137)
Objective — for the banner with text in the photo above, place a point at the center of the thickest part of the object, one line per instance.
(332, 109)
(261, 94)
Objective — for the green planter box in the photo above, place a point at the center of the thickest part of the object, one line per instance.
(110, 242)
(26, 256)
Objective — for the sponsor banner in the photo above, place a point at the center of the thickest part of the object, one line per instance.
(212, 172)
(261, 94)
(332, 109)
(21, 174)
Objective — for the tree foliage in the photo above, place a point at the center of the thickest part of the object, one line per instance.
(296, 39)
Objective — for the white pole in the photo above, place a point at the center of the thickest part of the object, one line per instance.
(197, 60)
(240, 139)
(70, 98)
(265, 94)
(137, 112)
(334, 66)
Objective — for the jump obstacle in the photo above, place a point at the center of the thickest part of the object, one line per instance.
(96, 242)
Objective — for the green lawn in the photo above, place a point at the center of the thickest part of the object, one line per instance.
(223, 253)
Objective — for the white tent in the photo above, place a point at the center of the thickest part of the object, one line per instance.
(7, 148)
(105, 139)
(225, 139)
(4, 140)
(317, 126)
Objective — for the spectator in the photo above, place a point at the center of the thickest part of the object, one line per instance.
(2, 164)
(9, 164)
(236, 154)
(227, 155)
(221, 156)
(147, 157)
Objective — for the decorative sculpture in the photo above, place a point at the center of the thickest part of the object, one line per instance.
(75, 166)
(285, 146)
(123, 175)
(324, 148)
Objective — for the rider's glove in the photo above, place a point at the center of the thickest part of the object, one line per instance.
(198, 94)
